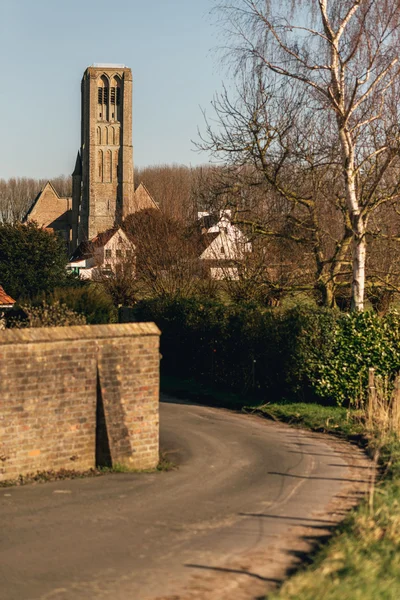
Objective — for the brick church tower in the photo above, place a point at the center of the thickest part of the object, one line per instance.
(103, 190)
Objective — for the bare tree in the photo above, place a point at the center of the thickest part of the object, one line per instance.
(334, 64)
(277, 183)
(171, 187)
(166, 255)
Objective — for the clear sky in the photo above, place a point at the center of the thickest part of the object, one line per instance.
(45, 45)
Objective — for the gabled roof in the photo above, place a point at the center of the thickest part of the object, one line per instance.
(143, 200)
(49, 209)
(86, 249)
(5, 299)
(47, 188)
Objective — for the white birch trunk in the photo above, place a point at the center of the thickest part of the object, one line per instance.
(357, 221)
(359, 256)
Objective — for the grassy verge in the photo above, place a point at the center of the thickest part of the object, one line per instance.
(362, 559)
(51, 475)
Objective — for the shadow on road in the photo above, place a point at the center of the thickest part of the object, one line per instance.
(319, 478)
(235, 571)
(285, 518)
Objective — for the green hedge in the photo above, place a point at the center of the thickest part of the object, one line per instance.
(300, 353)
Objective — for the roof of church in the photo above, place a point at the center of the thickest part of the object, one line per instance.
(64, 201)
(5, 299)
(143, 199)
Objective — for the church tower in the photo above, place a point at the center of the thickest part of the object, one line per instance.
(103, 190)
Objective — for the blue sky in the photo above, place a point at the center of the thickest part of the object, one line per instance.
(45, 45)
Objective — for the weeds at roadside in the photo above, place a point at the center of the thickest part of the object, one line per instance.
(51, 475)
(66, 474)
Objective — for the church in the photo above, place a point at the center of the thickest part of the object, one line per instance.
(103, 191)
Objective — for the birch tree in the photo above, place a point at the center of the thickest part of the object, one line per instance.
(279, 179)
(343, 57)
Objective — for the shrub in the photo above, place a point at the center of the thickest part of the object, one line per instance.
(338, 367)
(48, 315)
(32, 260)
(300, 353)
(89, 300)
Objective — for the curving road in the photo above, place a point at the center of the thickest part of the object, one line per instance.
(249, 497)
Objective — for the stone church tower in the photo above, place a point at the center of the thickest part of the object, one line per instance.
(103, 190)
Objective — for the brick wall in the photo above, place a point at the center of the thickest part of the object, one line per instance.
(74, 397)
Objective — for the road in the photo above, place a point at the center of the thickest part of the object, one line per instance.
(248, 497)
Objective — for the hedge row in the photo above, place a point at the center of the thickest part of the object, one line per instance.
(299, 353)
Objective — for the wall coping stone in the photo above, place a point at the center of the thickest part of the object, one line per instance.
(36, 335)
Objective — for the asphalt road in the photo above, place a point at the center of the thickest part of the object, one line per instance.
(248, 497)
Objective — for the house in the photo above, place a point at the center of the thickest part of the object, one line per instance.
(6, 303)
(102, 255)
(225, 244)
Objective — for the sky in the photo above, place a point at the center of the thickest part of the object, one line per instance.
(45, 46)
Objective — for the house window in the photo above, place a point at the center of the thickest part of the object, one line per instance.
(222, 250)
(108, 253)
(118, 253)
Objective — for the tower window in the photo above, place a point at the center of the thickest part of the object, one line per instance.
(102, 95)
(113, 95)
(118, 96)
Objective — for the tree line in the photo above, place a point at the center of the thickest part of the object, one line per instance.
(300, 233)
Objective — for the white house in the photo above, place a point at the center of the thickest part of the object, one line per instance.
(226, 244)
(103, 255)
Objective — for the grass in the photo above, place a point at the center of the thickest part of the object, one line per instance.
(62, 474)
(362, 559)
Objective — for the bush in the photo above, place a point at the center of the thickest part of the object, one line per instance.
(241, 347)
(48, 315)
(349, 344)
(32, 260)
(89, 300)
(299, 353)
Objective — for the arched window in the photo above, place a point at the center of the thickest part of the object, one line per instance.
(103, 98)
(100, 165)
(115, 98)
(99, 135)
(106, 135)
(116, 173)
(108, 167)
(117, 136)
(112, 136)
